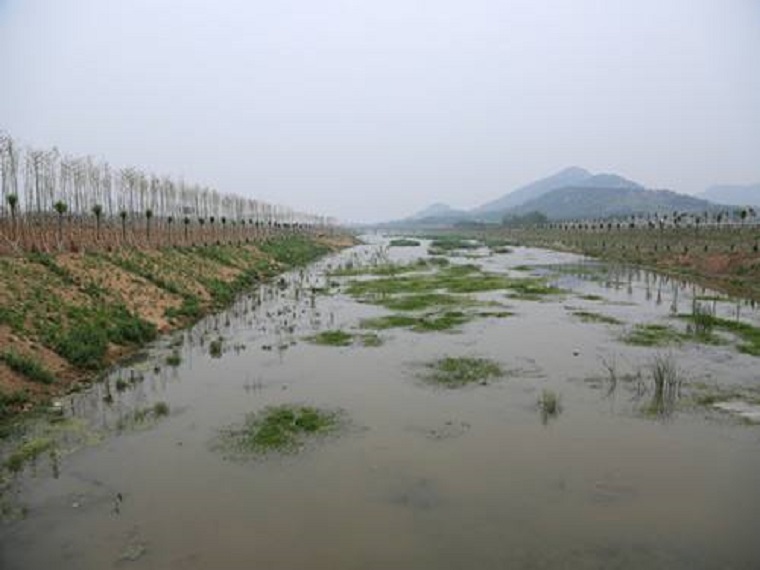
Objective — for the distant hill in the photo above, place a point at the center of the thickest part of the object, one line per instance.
(743, 195)
(568, 177)
(437, 210)
(575, 193)
(594, 201)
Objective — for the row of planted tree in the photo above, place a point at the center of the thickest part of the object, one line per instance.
(54, 202)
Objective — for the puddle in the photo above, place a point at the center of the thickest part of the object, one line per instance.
(581, 454)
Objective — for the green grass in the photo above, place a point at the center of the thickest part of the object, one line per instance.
(433, 322)
(27, 366)
(84, 339)
(550, 405)
(532, 289)
(455, 372)
(174, 359)
(421, 301)
(27, 452)
(450, 243)
(293, 251)
(11, 403)
(281, 428)
(749, 334)
(452, 279)
(592, 317)
(653, 335)
(404, 242)
(190, 309)
(332, 338)
(389, 322)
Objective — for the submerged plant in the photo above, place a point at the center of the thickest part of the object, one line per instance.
(549, 404)
(455, 372)
(667, 381)
(280, 428)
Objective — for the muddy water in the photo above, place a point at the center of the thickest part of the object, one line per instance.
(422, 477)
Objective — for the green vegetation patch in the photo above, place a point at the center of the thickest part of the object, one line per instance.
(404, 242)
(27, 366)
(422, 301)
(294, 251)
(549, 405)
(456, 372)
(343, 338)
(452, 279)
(532, 289)
(284, 428)
(450, 243)
(332, 338)
(10, 404)
(84, 339)
(592, 317)
(432, 322)
(653, 335)
(28, 452)
(703, 324)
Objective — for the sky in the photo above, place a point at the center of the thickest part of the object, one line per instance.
(370, 110)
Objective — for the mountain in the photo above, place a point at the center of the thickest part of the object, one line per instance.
(743, 195)
(437, 210)
(568, 177)
(595, 201)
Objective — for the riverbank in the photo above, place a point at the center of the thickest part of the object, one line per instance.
(724, 259)
(66, 318)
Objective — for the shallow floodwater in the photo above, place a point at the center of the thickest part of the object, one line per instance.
(422, 477)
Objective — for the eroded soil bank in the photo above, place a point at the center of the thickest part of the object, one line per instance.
(65, 318)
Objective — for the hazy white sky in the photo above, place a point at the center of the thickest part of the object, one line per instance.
(372, 109)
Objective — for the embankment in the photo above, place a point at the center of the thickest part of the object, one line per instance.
(725, 259)
(64, 318)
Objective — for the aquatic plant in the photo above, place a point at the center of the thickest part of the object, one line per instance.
(455, 372)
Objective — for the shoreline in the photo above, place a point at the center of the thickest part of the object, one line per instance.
(67, 319)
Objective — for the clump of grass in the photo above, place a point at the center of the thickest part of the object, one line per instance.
(332, 338)
(667, 385)
(215, 348)
(705, 321)
(450, 243)
(160, 409)
(421, 301)
(591, 297)
(425, 323)
(404, 242)
(11, 403)
(174, 359)
(281, 428)
(389, 322)
(455, 372)
(592, 317)
(27, 366)
(27, 452)
(550, 405)
(532, 289)
(370, 340)
(653, 335)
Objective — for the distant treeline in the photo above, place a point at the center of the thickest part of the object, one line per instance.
(50, 201)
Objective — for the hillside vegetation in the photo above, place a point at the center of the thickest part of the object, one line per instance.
(65, 317)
